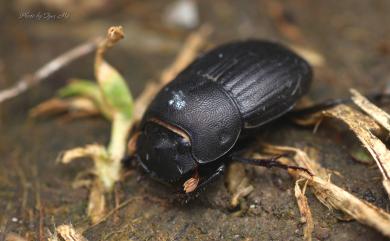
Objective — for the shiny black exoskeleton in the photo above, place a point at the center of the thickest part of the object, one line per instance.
(191, 126)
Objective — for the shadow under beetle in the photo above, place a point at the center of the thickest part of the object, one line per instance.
(188, 131)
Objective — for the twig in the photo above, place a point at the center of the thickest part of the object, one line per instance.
(38, 202)
(304, 209)
(113, 211)
(54, 65)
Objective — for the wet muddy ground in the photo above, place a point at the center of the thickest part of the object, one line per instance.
(36, 193)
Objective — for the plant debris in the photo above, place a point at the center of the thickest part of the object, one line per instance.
(364, 128)
(331, 195)
(304, 209)
(66, 232)
(237, 183)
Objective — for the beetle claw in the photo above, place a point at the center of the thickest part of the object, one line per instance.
(191, 184)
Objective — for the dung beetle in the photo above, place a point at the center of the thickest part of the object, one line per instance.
(188, 132)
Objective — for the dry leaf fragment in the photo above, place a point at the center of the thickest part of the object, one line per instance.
(67, 233)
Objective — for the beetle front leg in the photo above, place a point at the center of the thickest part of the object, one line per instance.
(193, 184)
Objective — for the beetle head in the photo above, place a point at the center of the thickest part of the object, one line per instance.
(165, 152)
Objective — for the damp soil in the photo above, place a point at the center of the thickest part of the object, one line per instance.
(36, 192)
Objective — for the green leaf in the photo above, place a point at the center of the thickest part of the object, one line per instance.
(88, 89)
(115, 90)
(79, 87)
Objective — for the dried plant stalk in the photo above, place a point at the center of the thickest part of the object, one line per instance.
(364, 212)
(304, 209)
(370, 109)
(96, 209)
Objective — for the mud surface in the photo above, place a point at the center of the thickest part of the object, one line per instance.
(36, 193)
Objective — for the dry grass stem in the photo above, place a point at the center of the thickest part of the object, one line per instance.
(304, 209)
(364, 212)
(113, 211)
(370, 109)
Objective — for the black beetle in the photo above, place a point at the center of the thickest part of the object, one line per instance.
(188, 131)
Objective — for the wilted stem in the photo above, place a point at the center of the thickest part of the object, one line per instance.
(119, 132)
(114, 34)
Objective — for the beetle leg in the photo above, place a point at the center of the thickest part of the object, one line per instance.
(272, 162)
(377, 97)
(212, 177)
(191, 184)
